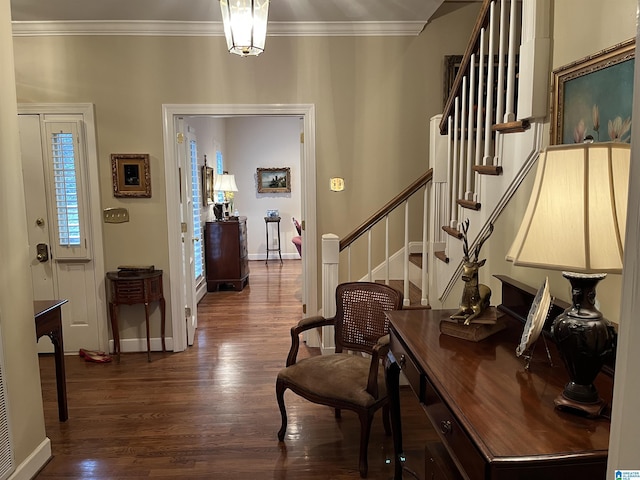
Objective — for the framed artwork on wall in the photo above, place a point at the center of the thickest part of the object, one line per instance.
(131, 175)
(274, 180)
(207, 186)
(592, 97)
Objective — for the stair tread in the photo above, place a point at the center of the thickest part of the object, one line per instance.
(488, 169)
(442, 256)
(415, 294)
(470, 204)
(416, 259)
(452, 231)
(512, 127)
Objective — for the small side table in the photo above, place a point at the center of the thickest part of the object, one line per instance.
(48, 317)
(129, 289)
(267, 221)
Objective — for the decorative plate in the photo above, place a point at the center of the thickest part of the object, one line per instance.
(536, 318)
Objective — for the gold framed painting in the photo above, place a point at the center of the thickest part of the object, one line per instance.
(274, 180)
(207, 186)
(131, 175)
(592, 97)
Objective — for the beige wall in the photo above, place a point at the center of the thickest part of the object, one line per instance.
(20, 369)
(601, 25)
(373, 97)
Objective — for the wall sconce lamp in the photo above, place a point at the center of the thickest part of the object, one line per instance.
(575, 221)
(245, 25)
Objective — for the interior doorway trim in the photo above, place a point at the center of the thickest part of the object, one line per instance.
(170, 113)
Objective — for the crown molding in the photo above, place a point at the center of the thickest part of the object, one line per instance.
(198, 29)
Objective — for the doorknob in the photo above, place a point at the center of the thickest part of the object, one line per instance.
(40, 222)
(42, 252)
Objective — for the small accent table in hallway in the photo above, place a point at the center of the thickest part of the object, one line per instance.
(48, 318)
(267, 221)
(130, 289)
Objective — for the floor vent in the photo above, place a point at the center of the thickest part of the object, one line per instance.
(6, 448)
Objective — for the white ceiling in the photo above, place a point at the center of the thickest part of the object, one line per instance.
(286, 14)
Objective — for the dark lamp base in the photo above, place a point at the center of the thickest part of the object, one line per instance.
(586, 409)
(585, 341)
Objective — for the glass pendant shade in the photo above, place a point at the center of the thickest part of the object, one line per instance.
(245, 25)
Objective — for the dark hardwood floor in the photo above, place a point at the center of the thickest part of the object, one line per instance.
(210, 412)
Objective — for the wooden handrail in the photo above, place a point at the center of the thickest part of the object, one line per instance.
(472, 46)
(388, 208)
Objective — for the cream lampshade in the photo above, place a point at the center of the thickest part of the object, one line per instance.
(575, 221)
(226, 183)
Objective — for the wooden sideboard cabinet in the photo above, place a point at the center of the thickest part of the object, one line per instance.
(496, 420)
(226, 257)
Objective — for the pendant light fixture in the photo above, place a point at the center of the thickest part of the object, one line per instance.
(245, 25)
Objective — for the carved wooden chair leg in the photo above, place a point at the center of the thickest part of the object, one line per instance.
(366, 419)
(280, 388)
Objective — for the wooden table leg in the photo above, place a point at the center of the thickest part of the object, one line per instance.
(113, 315)
(146, 319)
(392, 376)
(56, 339)
(162, 319)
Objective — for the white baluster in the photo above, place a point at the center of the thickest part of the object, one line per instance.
(386, 249)
(369, 261)
(453, 130)
(424, 283)
(488, 121)
(463, 137)
(510, 115)
(407, 301)
(481, 105)
(478, 121)
(468, 195)
(500, 83)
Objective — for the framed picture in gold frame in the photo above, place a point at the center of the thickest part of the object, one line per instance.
(131, 175)
(592, 97)
(274, 180)
(207, 186)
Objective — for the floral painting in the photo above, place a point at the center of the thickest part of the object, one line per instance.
(593, 97)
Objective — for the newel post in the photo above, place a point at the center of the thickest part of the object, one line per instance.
(330, 258)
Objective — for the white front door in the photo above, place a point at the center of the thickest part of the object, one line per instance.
(58, 220)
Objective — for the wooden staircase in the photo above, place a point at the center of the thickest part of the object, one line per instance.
(481, 148)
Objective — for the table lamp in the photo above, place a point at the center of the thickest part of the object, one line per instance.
(226, 183)
(575, 222)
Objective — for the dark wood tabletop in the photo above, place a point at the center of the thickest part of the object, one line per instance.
(507, 412)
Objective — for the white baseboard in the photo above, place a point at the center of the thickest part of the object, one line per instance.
(273, 256)
(34, 462)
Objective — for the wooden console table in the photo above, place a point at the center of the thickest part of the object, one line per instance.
(496, 420)
(48, 318)
(130, 289)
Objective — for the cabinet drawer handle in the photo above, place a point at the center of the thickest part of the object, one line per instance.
(402, 362)
(445, 426)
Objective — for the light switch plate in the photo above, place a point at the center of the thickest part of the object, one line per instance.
(115, 215)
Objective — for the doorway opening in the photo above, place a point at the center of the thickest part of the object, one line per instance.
(172, 118)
